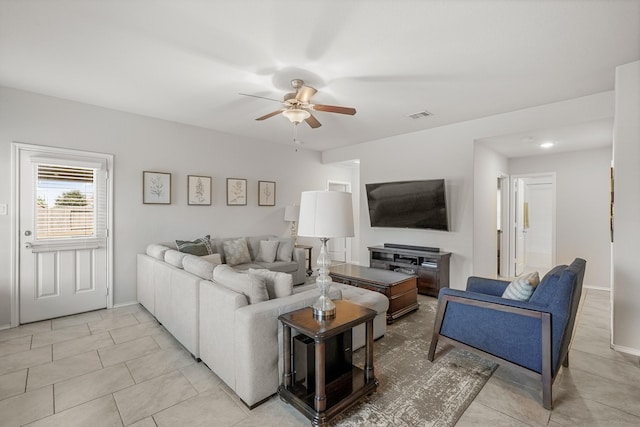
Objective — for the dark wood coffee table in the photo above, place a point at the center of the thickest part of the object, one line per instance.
(327, 400)
(401, 289)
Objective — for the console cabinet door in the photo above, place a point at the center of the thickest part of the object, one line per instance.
(428, 282)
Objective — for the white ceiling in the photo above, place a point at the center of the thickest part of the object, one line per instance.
(186, 61)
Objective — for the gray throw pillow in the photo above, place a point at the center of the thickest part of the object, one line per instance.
(199, 247)
(522, 287)
(236, 252)
(268, 250)
(285, 249)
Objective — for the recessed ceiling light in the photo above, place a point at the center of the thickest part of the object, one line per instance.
(547, 144)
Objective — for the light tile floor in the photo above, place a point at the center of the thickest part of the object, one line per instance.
(120, 367)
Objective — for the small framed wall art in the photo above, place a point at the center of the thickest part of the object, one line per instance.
(199, 190)
(236, 192)
(266, 193)
(156, 188)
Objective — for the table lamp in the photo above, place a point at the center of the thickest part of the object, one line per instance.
(291, 214)
(325, 215)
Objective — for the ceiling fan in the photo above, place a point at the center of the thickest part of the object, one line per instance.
(298, 106)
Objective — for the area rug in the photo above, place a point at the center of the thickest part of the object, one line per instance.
(412, 390)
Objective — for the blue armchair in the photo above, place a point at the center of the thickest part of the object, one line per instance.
(532, 336)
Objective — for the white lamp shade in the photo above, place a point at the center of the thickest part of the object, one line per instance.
(326, 214)
(291, 213)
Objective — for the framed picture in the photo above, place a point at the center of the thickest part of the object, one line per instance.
(199, 190)
(266, 193)
(236, 192)
(156, 188)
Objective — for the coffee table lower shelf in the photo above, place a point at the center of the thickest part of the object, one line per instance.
(341, 393)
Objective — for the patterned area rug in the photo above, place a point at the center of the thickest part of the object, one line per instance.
(412, 390)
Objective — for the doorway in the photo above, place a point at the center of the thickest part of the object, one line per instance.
(62, 247)
(339, 247)
(533, 241)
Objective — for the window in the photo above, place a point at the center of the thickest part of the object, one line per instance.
(65, 202)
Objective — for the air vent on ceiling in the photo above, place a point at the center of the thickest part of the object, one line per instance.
(420, 114)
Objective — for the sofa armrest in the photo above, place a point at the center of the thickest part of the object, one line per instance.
(516, 331)
(486, 286)
(299, 257)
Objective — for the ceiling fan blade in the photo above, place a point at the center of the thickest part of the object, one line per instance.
(261, 97)
(313, 122)
(334, 109)
(266, 116)
(305, 93)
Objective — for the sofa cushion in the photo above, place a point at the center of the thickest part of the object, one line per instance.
(236, 252)
(200, 246)
(252, 286)
(198, 266)
(157, 251)
(285, 248)
(278, 284)
(282, 266)
(174, 257)
(253, 242)
(268, 250)
(213, 258)
(521, 288)
(545, 291)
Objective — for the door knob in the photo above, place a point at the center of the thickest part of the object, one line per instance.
(27, 233)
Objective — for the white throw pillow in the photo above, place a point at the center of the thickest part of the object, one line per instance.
(285, 249)
(268, 250)
(252, 286)
(278, 284)
(522, 287)
(236, 252)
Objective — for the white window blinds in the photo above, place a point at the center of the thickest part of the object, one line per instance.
(65, 201)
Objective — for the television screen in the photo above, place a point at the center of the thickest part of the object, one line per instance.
(408, 204)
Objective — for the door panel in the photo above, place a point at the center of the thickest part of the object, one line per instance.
(63, 246)
(337, 247)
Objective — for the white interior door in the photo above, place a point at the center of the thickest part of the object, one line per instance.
(539, 249)
(337, 246)
(63, 217)
(520, 231)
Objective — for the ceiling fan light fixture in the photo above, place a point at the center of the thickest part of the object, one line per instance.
(296, 115)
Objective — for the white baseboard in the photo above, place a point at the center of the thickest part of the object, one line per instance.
(621, 349)
(598, 288)
(125, 304)
(7, 326)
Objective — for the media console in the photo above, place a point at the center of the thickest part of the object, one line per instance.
(429, 264)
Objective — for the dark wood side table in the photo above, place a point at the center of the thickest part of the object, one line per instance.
(327, 400)
(308, 256)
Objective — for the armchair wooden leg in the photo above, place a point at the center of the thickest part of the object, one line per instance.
(442, 307)
(432, 347)
(565, 363)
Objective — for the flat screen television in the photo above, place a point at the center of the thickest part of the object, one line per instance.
(408, 204)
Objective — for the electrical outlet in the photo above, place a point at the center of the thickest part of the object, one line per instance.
(3, 208)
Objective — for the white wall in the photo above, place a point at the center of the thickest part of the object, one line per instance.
(448, 152)
(626, 249)
(487, 166)
(582, 207)
(141, 143)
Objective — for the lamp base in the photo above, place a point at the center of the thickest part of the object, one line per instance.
(320, 314)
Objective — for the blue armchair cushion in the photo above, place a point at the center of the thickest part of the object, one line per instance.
(522, 287)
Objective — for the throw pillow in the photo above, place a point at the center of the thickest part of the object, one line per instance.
(278, 284)
(285, 249)
(200, 247)
(252, 286)
(236, 252)
(522, 287)
(268, 250)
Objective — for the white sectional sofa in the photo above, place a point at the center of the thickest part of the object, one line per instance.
(239, 341)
